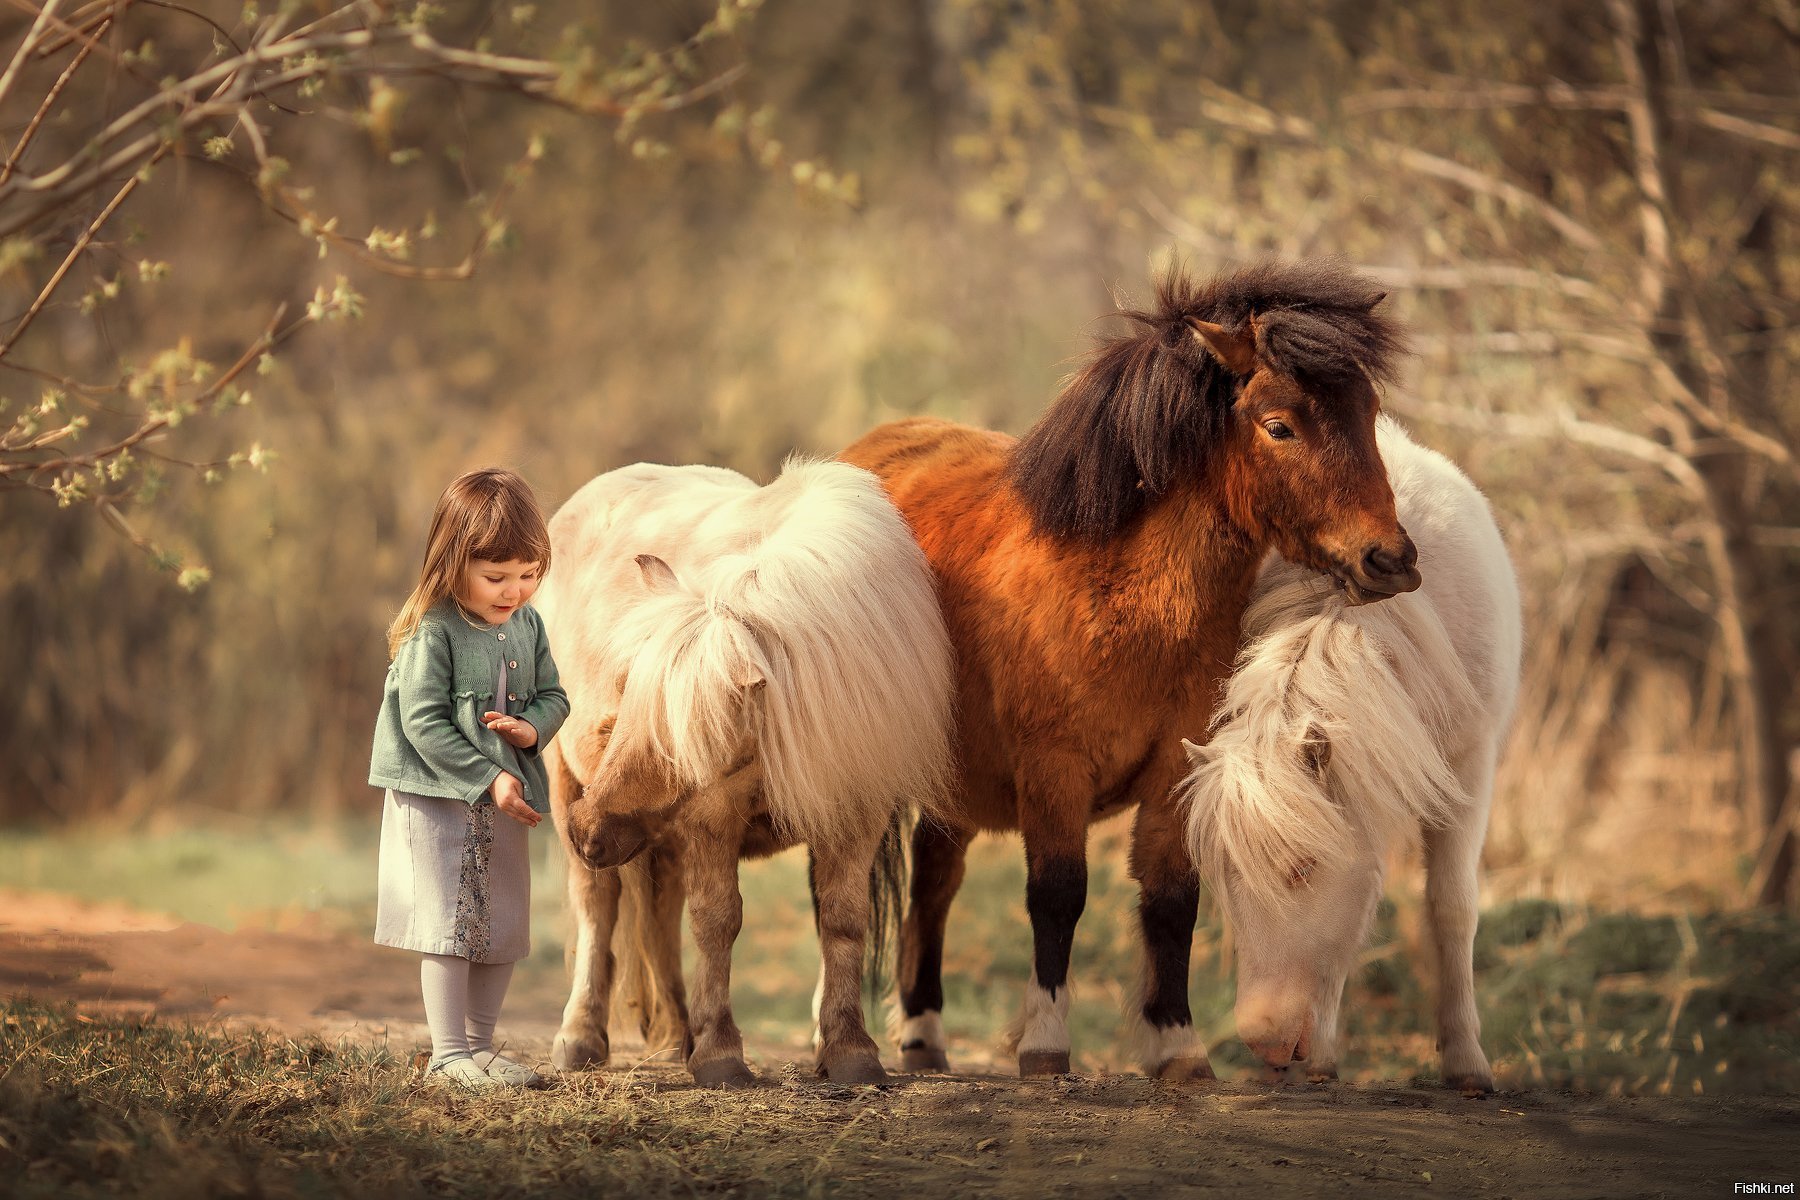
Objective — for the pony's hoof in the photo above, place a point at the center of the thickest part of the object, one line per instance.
(1039, 1063)
(920, 1059)
(1471, 1084)
(1186, 1070)
(852, 1070)
(572, 1053)
(1323, 1073)
(727, 1073)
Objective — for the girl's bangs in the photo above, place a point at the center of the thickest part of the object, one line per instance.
(514, 537)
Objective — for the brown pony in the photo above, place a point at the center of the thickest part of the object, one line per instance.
(1093, 575)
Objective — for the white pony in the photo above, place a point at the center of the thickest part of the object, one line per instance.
(1343, 731)
(748, 668)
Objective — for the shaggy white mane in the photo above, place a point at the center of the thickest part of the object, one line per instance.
(1385, 687)
(830, 603)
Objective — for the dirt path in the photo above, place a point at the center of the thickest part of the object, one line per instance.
(982, 1134)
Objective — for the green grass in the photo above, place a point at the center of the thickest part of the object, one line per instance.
(242, 873)
(1569, 998)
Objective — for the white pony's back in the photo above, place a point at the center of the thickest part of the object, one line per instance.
(1382, 703)
(813, 581)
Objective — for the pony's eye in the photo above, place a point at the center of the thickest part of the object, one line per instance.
(1279, 430)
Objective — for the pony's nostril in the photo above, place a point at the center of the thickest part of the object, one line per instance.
(1380, 562)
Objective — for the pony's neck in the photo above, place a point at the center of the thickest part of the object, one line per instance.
(1185, 569)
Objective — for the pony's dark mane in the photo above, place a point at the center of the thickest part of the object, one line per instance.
(1150, 405)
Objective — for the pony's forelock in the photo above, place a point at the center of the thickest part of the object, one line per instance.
(684, 663)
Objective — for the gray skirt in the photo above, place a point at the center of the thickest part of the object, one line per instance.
(454, 878)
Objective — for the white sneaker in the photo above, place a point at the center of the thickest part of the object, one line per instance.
(459, 1072)
(504, 1070)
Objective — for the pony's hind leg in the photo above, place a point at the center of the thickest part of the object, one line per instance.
(716, 911)
(847, 1054)
(650, 985)
(581, 1041)
(1452, 904)
(939, 854)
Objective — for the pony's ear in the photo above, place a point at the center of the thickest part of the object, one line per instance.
(1194, 753)
(588, 747)
(1235, 349)
(753, 680)
(1370, 306)
(658, 575)
(1315, 750)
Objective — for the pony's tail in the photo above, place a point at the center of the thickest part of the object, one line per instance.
(647, 952)
(887, 898)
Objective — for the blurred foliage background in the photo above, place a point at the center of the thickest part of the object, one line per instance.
(723, 235)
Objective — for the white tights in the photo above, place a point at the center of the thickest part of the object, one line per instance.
(462, 1003)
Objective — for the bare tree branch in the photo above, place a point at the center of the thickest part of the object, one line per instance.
(1757, 131)
(175, 110)
(1440, 278)
(42, 21)
(1555, 94)
(75, 252)
(1559, 427)
(1227, 108)
(50, 97)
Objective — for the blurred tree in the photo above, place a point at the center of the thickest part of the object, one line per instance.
(1600, 192)
(109, 99)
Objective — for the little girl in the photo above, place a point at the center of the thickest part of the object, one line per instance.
(471, 701)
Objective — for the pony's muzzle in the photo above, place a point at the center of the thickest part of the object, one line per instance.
(1278, 1038)
(1383, 571)
(613, 842)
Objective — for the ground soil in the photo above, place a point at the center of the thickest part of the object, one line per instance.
(984, 1133)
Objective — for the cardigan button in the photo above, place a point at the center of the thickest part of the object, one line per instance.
(512, 695)
(513, 665)
(501, 636)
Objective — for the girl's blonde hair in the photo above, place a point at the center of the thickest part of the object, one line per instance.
(489, 514)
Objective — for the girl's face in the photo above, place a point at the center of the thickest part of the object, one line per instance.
(494, 591)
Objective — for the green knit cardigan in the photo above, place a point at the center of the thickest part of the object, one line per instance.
(429, 739)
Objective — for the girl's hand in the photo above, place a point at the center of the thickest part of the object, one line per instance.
(516, 731)
(509, 798)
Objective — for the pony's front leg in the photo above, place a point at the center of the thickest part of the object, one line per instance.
(1168, 903)
(1322, 1055)
(939, 853)
(1452, 908)
(1054, 825)
(716, 913)
(847, 1053)
(594, 905)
